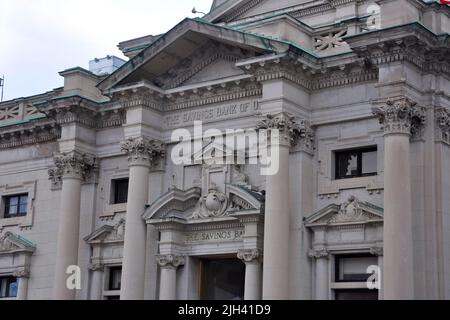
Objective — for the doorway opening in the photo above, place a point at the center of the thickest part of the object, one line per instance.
(222, 279)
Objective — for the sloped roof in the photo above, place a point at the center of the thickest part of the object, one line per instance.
(180, 42)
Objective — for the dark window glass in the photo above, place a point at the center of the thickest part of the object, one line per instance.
(115, 275)
(356, 163)
(222, 279)
(8, 287)
(16, 206)
(353, 268)
(356, 294)
(120, 189)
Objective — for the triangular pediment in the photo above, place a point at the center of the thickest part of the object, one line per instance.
(349, 212)
(205, 64)
(107, 233)
(233, 10)
(182, 42)
(11, 243)
(190, 205)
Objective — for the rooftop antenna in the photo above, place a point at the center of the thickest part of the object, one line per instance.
(194, 11)
(2, 84)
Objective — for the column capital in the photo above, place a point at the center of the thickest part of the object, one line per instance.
(376, 251)
(143, 151)
(293, 132)
(97, 266)
(73, 165)
(442, 117)
(250, 255)
(170, 260)
(401, 116)
(23, 272)
(318, 253)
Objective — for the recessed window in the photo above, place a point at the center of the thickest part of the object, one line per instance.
(352, 271)
(15, 206)
(8, 287)
(353, 268)
(119, 191)
(356, 163)
(115, 276)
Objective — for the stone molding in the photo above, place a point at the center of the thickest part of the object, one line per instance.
(401, 116)
(318, 253)
(96, 266)
(376, 251)
(29, 134)
(293, 132)
(143, 151)
(22, 272)
(170, 260)
(74, 165)
(250, 255)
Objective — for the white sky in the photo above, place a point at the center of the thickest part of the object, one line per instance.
(39, 38)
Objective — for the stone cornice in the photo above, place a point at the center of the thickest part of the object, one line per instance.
(312, 75)
(28, 134)
(401, 116)
(411, 42)
(170, 260)
(143, 151)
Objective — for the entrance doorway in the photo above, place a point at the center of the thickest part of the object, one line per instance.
(222, 279)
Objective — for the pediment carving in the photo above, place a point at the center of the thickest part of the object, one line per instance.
(107, 233)
(350, 211)
(199, 61)
(11, 243)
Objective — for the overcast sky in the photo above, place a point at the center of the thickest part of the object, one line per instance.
(39, 38)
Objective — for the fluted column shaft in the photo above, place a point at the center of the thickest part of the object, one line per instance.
(276, 220)
(73, 169)
(169, 265)
(141, 154)
(400, 119)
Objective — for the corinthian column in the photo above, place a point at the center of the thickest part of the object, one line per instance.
(142, 154)
(276, 221)
(400, 119)
(169, 264)
(72, 168)
(253, 273)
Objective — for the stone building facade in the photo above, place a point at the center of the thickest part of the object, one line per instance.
(359, 90)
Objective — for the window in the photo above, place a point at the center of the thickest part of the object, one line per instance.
(356, 163)
(351, 277)
(353, 268)
(113, 286)
(15, 206)
(8, 287)
(119, 191)
(115, 275)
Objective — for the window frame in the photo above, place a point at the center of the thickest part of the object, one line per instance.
(359, 151)
(7, 206)
(113, 269)
(114, 190)
(337, 259)
(9, 280)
